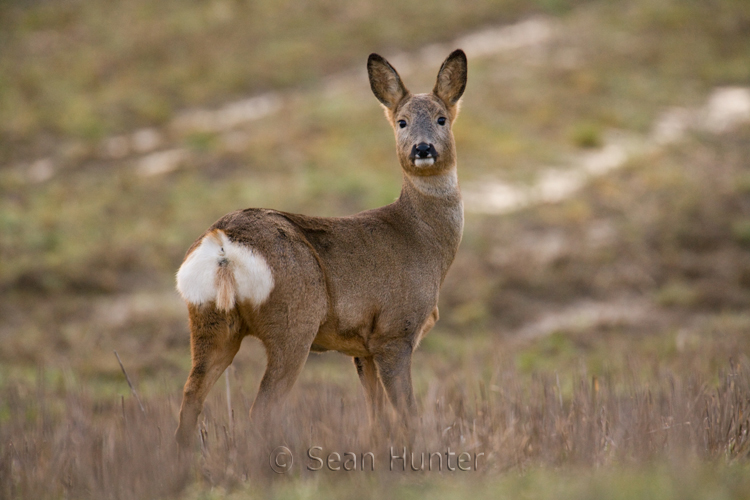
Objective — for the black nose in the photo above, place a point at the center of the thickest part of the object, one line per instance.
(424, 150)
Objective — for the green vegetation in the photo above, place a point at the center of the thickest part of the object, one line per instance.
(576, 339)
(87, 68)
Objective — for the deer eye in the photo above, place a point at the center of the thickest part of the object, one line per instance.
(441, 120)
(402, 123)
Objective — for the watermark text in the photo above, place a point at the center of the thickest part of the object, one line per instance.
(402, 459)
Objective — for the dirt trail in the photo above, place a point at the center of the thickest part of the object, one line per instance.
(156, 151)
(725, 109)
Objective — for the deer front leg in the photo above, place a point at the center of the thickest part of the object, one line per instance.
(428, 324)
(368, 375)
(394, 367)
(214, 340)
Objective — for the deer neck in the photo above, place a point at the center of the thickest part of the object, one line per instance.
(436, 204)
(442, 186)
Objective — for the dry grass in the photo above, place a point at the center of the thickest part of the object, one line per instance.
(75, 447)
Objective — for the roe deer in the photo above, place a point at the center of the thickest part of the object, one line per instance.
(365, 285)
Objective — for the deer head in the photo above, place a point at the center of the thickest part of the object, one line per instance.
(422, 123)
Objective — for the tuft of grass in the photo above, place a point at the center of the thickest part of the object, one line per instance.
(741, 230)
(586, 135)
(677, 294)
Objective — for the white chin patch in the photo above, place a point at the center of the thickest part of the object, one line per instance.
(424, 162)
(199, 279)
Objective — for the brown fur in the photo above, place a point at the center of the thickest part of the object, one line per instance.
(365, 285)
(225, 283)
(225, 288)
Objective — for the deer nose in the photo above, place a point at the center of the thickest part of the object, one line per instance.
(424, 150)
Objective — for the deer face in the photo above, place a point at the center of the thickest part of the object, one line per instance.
(421, 122)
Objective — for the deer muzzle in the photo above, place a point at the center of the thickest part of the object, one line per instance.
(423, 154)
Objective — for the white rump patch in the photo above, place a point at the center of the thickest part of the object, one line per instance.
(198, 277)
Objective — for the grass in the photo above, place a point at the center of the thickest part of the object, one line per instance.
(576, 341)
(69, 70)
(78, 445)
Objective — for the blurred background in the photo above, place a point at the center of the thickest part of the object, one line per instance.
(604, 156)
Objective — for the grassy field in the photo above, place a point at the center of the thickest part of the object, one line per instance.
(593, 348)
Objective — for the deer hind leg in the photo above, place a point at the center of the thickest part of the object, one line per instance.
(215, 338)
(368, 375)
(286, 354)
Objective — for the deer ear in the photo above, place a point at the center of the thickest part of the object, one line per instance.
(385, 82)
(451, 80)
